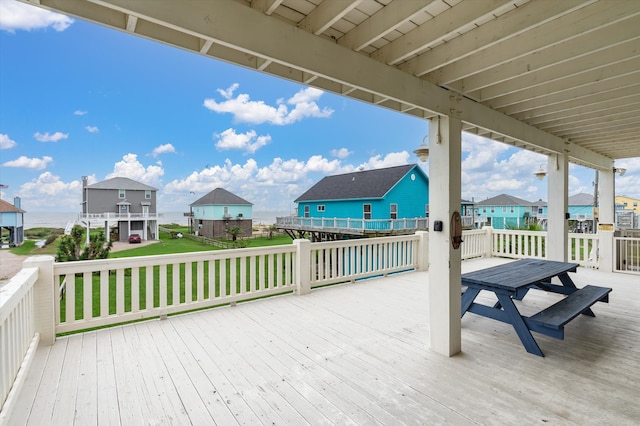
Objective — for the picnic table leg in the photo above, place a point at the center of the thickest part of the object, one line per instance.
(519, 325)
(467, 299)
(566, 281)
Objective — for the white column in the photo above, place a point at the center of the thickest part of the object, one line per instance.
(606, 225)
(423, 250)
(303, 266)
(558, 225)
(45, 292)
(444, 261)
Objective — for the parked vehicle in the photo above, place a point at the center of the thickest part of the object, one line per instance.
(135, 238)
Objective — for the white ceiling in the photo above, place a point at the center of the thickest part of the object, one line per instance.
(546, 75)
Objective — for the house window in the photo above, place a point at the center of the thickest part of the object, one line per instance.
(121, 193)
(540, 211)
(320, 207)
(635, 204)
(393, 211)
(493, 210)
(426, 210)
(147, 194)
(511, 209)
(504, 209)
(484, 210)
(226, 212)
(124, 208)
(306, 211)
(366, 209)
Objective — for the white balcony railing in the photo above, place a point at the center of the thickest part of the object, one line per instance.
(119, 216)
(349, 225)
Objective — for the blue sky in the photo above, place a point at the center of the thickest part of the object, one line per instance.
(77, 99)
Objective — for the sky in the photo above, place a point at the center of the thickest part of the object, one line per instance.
(78, 99)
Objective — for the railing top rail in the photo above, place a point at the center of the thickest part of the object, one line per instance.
(167, 259)
(13, 291)
(361, 241)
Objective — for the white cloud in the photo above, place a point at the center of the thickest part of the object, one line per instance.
(131, 168)
(19, 16)
(389, 160)
(92, 129)
(46, 137)
(47, 192)
(249, 142)
(79, 112)
(245, 110)
(166, 148)
(341, 153)
(6, 142)
(29, 163)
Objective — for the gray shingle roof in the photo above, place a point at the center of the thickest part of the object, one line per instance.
(505, 200)
(219, 197)
(122, 183)
(581, 199)
(356, 185)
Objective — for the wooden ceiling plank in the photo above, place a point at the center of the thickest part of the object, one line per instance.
(388, 19)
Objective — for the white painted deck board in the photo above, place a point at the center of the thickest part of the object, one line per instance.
(350, 354)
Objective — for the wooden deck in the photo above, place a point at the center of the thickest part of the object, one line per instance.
(348, 354)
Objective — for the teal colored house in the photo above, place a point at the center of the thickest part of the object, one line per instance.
(508, 212)
(214, 213)
(380, 194)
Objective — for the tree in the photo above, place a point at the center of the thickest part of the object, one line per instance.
(71, 249)
(234, 231)
(272, 230)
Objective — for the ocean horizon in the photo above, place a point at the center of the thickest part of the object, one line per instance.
(61, 219)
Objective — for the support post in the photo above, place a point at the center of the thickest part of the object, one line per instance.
(445, 135)
(557, 246)
(488, 242)
(606, 227)
(423, 251)
(303, 266)
(44, 291)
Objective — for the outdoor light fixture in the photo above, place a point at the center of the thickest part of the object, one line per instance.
(541, 172)
(621, 171)
(423, 150)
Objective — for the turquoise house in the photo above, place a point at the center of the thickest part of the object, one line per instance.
(219, 210)
(508, 212)
(380, 194)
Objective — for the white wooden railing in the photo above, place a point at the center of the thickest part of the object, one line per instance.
(17, 334)
(113, 291)
(356, 226)
(340, 261)
(626, 254)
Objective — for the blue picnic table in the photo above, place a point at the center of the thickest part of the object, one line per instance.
(512, 281)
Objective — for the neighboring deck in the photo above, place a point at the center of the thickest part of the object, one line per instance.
(347, 354)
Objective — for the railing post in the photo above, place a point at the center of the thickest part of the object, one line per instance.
(423, 251)
(303, 266)
(44, 292)
(488, 241)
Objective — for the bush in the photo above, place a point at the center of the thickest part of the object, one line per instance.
(50, 239)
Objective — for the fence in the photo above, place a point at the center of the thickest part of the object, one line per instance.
(17, 335)
(626, 254)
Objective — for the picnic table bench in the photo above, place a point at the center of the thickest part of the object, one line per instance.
(512, 281)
